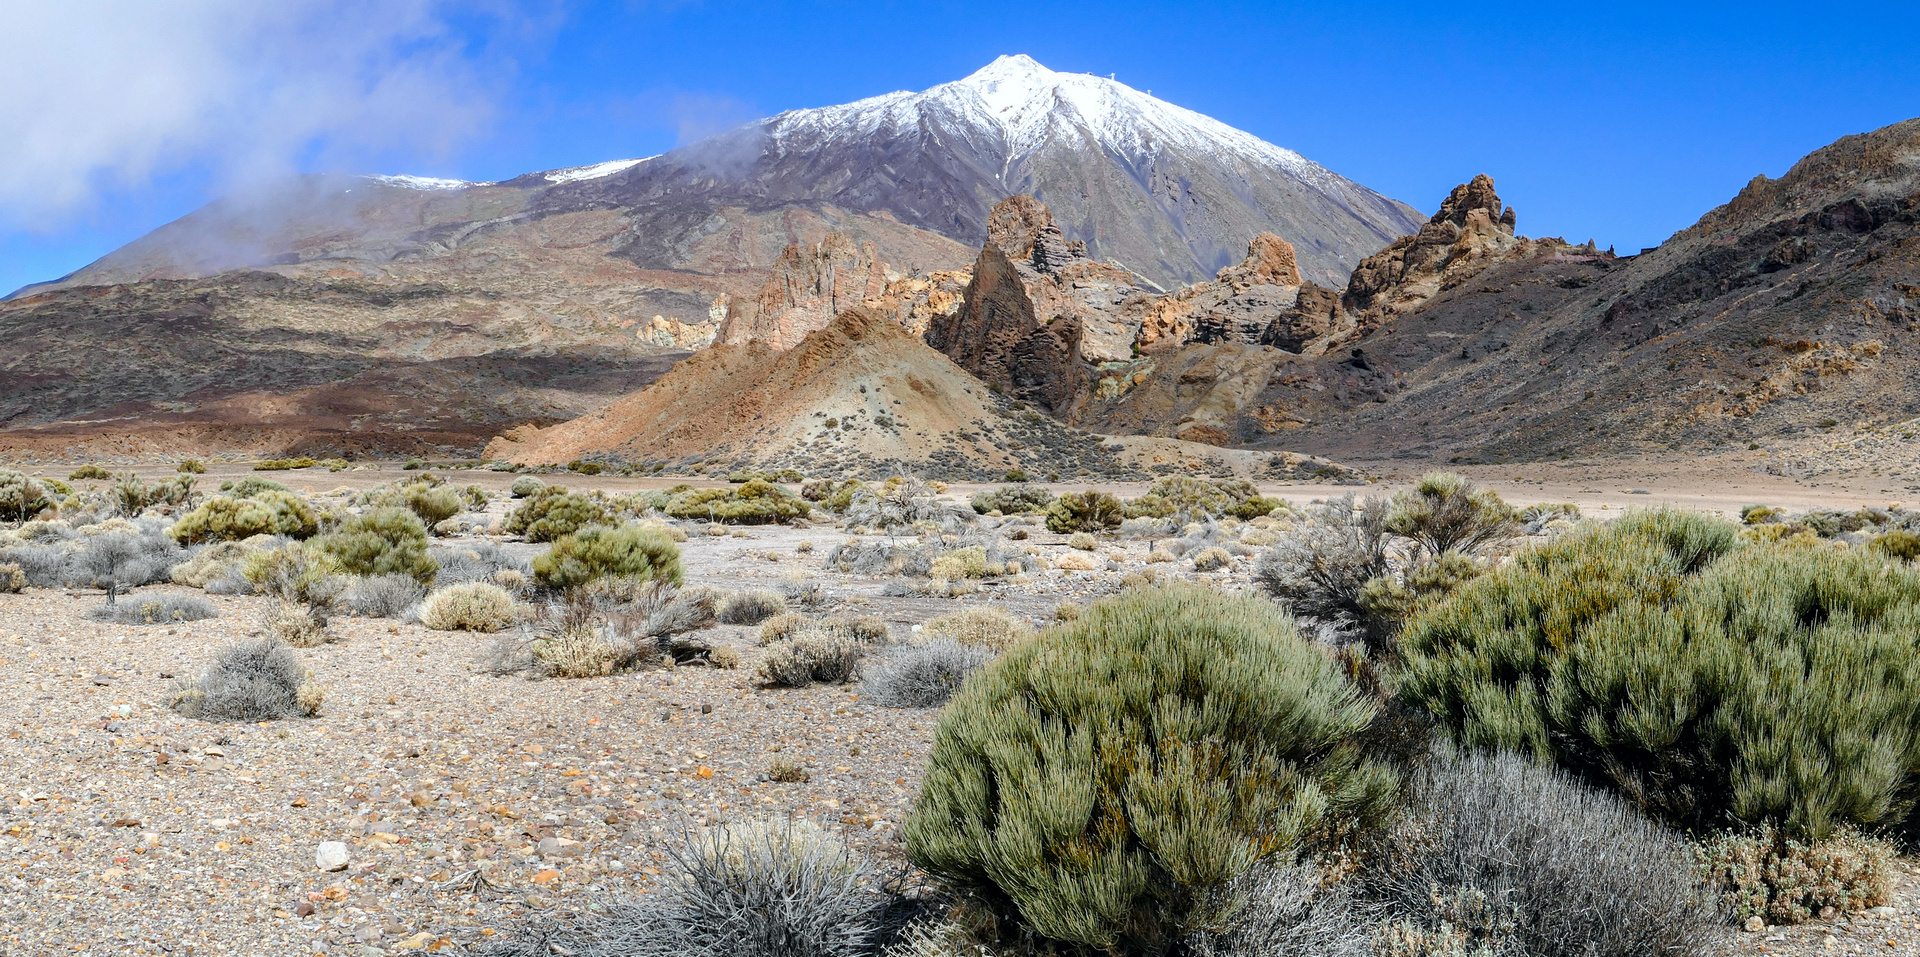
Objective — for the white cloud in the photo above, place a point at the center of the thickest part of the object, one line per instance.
(109, 94)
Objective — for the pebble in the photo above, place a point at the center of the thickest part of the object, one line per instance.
(331, 856)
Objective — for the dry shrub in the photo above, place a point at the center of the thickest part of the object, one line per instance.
(781, 627)
(988, 628)
(1785, 881)
(218, 560)
(1208, 559)
(750, 607)
(1259, 537)
(12, 580)
(471, 606)
(295, 624)
(1498, 855)
(923, 676)
(1159, 556)
(1077, 562)
(251, 682)
(785, 770)
(157, 610)
(1081, 541)
(810, 656)
(724, 658)
(743, 889)
(381, 596)
(962, 563)
(576, 651)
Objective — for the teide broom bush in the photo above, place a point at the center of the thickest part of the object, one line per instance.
(1712, 686)
(1098, 785)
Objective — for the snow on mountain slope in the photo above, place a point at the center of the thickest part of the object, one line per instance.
(595, 171)
(1033, 106)
(1163, 190)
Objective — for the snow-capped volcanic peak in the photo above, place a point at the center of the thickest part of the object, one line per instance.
(1031, 105)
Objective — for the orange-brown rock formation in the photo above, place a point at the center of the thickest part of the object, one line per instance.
(809, 285)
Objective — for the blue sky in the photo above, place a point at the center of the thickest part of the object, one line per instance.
(1621, 123)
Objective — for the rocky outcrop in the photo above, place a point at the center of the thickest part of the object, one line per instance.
(859, 397)
(1472, 232)
(809, 285)
(1036, 324)
(1238, 306)
(1269, 262)
(915, 302)
(1315, 313)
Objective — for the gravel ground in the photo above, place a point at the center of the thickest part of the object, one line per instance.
(468, 802)
(126, 828)
(1892, 929)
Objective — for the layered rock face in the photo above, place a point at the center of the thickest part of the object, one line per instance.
(1037, 314)
(809, 285)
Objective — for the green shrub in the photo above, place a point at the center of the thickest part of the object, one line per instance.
(1391, 599)
(1713, 685)
(756, 502)
(131, 494)
(381, 541)
(832, 496)
(281, 465)
(21, 498)
(630, 552)
(525, 485)
(292, 572)
(335, 465)
(1011, 499)
(88, 471)
(1084, 512)
(433, 503)
(191, 467)
(230, 518)
(551, 512)
(1898, 544)
(1103, 783)
(584, 467)
(1197, 498)
(1447, 513)
(250, 486)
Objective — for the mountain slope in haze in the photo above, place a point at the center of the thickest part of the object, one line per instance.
(1162, 190)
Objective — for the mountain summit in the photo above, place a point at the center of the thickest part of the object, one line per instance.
(1162, 190)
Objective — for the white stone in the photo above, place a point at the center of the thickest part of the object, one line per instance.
(332, 856)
